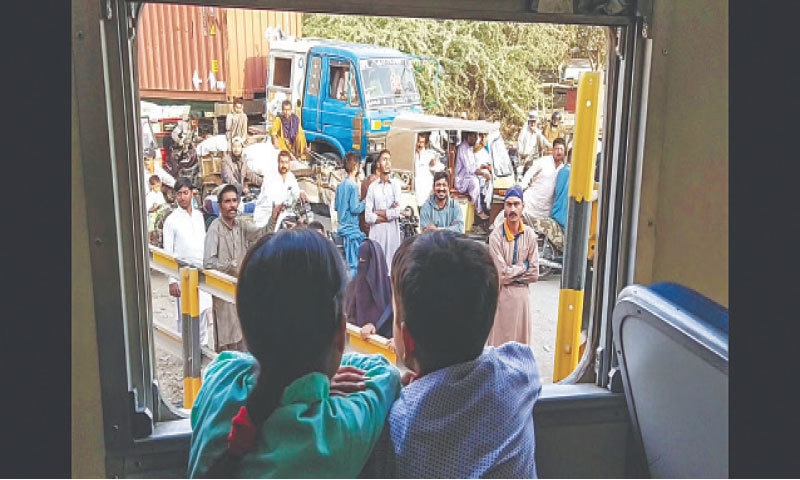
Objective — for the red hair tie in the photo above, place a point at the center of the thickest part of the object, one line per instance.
(243, 433)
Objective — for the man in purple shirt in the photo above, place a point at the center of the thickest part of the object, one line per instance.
(468, 170)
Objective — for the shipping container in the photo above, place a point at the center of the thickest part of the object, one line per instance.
(197, 53)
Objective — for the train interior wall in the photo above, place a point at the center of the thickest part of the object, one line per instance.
(683, 221)
(682, 235)
(88, 449)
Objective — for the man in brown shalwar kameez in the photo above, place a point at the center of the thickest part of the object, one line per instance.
(227, 241)
(513, 249)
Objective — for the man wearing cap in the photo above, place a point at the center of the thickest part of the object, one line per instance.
(513, 249)
(531, 143)
(234, 169)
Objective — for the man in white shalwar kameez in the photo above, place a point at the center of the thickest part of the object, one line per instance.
(276, 192)
(383, 210)
(184, 239)
(426, 163)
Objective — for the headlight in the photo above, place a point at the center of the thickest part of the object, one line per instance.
(376, 125)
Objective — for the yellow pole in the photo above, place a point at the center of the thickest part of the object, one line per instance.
(581, 183)
(190, 333)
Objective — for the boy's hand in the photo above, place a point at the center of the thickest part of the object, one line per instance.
(347, 380)
(407, 378)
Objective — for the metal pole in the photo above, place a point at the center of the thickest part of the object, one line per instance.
(581, 183)
(190, 335)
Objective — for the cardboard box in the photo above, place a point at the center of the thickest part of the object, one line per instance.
(210, 165)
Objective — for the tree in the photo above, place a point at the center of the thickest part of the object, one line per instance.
(482, 68)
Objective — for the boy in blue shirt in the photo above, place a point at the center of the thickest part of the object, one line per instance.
(466, 410)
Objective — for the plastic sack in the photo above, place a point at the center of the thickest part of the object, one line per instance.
(212, 144)
(261, 158)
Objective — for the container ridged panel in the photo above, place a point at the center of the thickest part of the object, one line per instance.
(248, 46)
(175, 41)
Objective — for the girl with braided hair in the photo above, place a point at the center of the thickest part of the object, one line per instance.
(294, 406)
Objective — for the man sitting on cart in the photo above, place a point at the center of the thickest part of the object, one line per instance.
(287, 133)
(235, 170)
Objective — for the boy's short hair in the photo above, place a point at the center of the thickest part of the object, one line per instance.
(154, 179)
(446, 288)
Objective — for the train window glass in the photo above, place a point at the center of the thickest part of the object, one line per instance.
(148, 363)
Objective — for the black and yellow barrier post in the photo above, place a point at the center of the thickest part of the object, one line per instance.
(581, 183)
(190, 334)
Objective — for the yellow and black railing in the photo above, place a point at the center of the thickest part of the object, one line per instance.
(220, 285)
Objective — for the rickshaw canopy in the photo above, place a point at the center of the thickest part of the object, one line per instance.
(402, 136)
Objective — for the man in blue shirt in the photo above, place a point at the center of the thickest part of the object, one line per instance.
(441, 211)
(561, 195)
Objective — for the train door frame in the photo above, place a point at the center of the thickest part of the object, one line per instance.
(108, 146)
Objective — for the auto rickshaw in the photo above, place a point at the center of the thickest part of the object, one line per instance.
(445, 135)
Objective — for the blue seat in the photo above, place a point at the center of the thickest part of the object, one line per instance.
(672, 346)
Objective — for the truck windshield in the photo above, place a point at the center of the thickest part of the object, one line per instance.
(388, 82)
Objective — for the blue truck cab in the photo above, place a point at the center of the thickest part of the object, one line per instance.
(346, 94)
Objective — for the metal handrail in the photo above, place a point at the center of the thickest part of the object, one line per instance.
(194, 279)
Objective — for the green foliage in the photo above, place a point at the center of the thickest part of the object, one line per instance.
(492, 69)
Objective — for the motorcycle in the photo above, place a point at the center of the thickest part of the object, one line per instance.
(409, 224)
(550, 259)
(295, 211)
(184, 162)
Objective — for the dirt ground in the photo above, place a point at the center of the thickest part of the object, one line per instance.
(169, 368)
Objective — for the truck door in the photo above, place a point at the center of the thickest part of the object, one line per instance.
(311, 100)
(341, 103)
(286, 75)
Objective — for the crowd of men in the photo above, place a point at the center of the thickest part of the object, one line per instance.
(369, 215)
(212, 241)
(443, 301)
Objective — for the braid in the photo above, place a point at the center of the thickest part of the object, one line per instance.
(261, 402)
